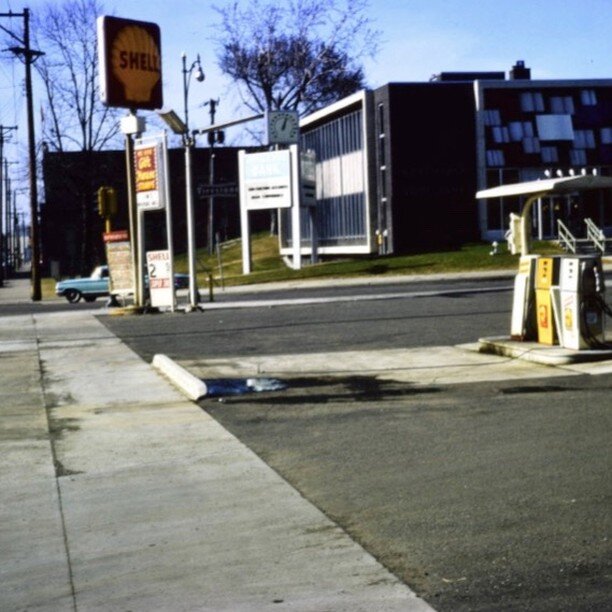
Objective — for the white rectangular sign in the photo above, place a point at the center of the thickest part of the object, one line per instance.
(267, 180)
(161, 286)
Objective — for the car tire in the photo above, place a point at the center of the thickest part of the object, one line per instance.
(73, 295)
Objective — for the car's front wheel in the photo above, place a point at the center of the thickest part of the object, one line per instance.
(73, 295)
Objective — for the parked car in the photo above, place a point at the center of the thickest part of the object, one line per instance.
(96, 285)
(90, 288)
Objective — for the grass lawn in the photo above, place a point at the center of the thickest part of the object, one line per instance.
(267, 265)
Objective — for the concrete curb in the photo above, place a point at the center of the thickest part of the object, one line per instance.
(539, 353)
(194, 388)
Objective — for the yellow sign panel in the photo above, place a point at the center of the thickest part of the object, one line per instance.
(130, 63)
(146, 169)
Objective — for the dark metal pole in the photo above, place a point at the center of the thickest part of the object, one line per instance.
(2, 203)
(30, 56)
(36, 286)
(132, 212)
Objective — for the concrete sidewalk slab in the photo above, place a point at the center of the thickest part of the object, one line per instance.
(134, 498)
(34, 574)
(438, 365)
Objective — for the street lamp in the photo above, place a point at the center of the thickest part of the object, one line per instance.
(179, 126)
(199, 76)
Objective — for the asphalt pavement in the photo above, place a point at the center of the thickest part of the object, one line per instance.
(120, 494)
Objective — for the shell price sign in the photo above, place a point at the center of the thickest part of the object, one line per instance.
(130, 63)
(159, 269)
(149, 175)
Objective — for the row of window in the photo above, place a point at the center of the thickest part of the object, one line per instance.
(548, 155)
(534, 102)
(522, 131)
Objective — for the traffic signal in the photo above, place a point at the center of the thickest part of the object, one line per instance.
(107, 202)
(216, 136)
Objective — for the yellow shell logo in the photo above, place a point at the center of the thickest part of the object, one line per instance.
(136, 63)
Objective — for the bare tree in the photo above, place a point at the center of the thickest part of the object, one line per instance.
(74, 117)
(298, 54)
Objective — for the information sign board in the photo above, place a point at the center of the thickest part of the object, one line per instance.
(149, 175)
(120, 267)
(267, 180)
(161, 287)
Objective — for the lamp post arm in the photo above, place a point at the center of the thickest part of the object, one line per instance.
(220, 126)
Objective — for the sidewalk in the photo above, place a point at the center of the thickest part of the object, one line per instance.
(15, 290)
(118, 493)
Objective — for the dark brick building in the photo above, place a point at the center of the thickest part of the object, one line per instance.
(71, 229)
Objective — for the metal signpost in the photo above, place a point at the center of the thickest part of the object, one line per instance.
(129, 54)
(273, 180)
(152, 193)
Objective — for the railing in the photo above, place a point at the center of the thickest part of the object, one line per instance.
(596, 235)
(566, 238)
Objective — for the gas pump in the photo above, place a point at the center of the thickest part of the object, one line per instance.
(523, 323)
(583, 308)
(578, 301)
(547, 276)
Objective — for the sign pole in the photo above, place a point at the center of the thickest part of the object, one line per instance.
(170, 242)
(193, 289)
(295, 208)
(131, 193)
(140, 258)
(244, 216)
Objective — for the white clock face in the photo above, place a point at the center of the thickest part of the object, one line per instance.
(283, 127)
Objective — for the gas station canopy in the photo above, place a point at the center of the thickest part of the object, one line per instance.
(564, 184)
(540, 188)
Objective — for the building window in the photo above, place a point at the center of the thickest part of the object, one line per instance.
(520, 130)
(495, 157)
(606, 135)
(382, 151)
(550, 155)
(555, 127)
(588, 97)
(578, 157)
(381, 119)
(531, 145)
(584, 139)
(492, 117)
(501, 134)
(532, 102)
(562, 105)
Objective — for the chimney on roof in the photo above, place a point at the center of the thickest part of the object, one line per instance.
(519, 72)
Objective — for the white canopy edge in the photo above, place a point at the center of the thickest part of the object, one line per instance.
(566, 184)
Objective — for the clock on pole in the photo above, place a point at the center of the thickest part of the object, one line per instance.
(283, 126)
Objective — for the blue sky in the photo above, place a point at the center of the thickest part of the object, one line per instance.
(557, 39)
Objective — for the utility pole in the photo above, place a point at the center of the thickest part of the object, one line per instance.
(215, 136)
(29, 57)
(3, 198)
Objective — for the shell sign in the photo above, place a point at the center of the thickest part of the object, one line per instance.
(130, 63)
